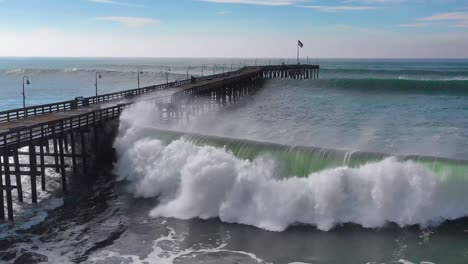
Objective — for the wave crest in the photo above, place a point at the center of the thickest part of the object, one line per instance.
(205, 182)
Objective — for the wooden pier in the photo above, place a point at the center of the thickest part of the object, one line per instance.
(68, 133)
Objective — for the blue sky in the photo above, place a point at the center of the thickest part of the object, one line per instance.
(234, 28)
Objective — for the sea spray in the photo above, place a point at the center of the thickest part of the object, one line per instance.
(204, 181)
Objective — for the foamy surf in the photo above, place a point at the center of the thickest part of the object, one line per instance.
(168, 249)
(195, 181)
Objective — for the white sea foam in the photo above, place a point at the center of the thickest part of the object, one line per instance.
(206, 182)
(167, 250)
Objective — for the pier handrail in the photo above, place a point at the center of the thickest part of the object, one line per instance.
(21, 113)
(23, 135)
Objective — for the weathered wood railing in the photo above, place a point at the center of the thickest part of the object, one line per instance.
(21, 113)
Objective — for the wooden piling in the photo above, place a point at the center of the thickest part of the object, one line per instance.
(62, 160)
(33, 170)
(83, 151)
(7, 186)
(43, 170)
(19, 185)
(73, 150)
(56, 157)
(2, 203)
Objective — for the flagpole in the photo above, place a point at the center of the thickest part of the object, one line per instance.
(297, 52)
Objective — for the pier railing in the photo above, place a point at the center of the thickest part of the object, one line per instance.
(22, 137)
(21, 113)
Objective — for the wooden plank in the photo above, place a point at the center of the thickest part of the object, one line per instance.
(26, 165)
(78, 155)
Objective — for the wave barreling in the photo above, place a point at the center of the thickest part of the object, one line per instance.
(196, 180)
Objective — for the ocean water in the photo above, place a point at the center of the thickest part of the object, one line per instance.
(337, 185)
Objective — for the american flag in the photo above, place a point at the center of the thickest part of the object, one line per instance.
(300, 43)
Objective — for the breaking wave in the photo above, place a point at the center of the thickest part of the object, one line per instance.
(199, 180)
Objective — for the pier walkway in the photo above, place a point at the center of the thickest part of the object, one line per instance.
(62, 130)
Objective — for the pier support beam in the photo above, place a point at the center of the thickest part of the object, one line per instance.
(33, 169)
(7, 186)
(19, 185)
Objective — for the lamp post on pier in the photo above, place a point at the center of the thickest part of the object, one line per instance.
(188, 68)
(214, 69)
(139, 72)
(25, 78)
(202, 68)
(231, 67)
(223, 68)
(98, 76)
(167, 74)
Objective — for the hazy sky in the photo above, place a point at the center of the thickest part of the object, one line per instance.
(234, 28)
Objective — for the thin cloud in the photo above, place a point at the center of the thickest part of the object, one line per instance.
(459, 18)
(222, 13)
(258, 2)
(418, 24)
(341, 8)
(131, 21)
(463, 16)
(375, 1)
(365, 30)
(112, 2)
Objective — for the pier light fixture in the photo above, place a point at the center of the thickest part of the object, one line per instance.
(138, 78)
(188, 68)
(202, 68)
(98, 76)
(214, 69)
(167, 74)
(25, 82)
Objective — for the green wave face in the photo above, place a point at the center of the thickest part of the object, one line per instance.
(302, 161)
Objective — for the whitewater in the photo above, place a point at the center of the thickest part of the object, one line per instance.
(203, 181)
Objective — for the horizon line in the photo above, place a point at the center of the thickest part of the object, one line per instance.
(227, 58)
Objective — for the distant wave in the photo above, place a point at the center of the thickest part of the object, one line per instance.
(425, 72)
(21, 71)
(394, 85)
